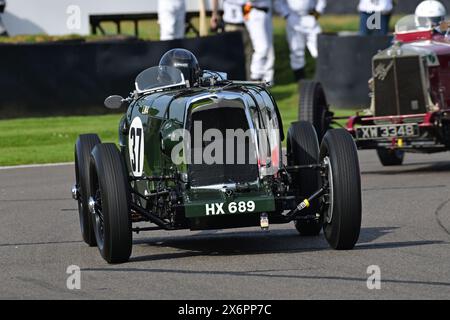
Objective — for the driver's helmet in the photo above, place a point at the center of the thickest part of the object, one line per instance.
(432, 10)
(185, 61)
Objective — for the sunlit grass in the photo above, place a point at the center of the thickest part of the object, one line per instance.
(49, 140)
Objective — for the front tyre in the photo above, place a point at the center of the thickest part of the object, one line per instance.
(109, 202)
(342, 208)
(390, 157)
(83, 147)
(303, 149)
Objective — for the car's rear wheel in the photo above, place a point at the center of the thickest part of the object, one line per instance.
(83, 147)
(303, 149)
(341, 208)
(313, 107)
(391, 157)
(109, 204)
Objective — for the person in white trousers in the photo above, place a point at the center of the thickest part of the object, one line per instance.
(258, 20)
(171, 19)
(302, 29)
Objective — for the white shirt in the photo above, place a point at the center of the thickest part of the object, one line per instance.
(300, 7)
(375, 6)
(233, 11)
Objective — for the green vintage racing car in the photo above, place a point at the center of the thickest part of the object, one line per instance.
(198, 151)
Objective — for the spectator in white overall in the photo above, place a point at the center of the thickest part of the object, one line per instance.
(171, 19)
(302, 29)
(258, 19)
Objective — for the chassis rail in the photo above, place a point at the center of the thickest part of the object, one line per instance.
(152, 218)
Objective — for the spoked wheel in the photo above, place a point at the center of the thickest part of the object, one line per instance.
(303, 149)
(109, 204)
(390, 157)
(83, 147)
(341, 205)
(313, 107)
(95, 206)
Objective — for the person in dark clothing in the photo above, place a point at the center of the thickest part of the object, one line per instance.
(368, 9)
(3, 32)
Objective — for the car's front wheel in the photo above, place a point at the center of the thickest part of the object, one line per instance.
(109, 204)
(390, 157)
(341, 208)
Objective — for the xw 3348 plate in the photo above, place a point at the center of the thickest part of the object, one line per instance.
(387, 131)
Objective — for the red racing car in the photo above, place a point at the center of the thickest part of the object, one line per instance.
(410, 96)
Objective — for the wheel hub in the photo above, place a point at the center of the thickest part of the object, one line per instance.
(328, 199)
(75, 192)
(91, 205)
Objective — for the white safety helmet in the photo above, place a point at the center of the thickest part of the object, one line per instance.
(431, 9)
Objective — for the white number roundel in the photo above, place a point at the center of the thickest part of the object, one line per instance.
(136, 147)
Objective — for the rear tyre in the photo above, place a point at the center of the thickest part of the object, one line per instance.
(389, 157)
(342, 212)
(110, 199)
(303, 149)
(83, 147)
(313, 107)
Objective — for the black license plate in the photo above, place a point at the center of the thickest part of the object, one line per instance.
(387, 131)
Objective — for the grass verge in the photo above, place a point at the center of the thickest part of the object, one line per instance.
(51, 140)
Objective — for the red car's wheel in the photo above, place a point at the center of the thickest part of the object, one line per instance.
(391, 157)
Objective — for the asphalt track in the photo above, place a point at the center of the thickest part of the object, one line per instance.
(405, 231)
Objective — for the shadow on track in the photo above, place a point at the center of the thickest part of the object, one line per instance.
(249, 243)
(263, 274)
(254, 243)
(243, 244)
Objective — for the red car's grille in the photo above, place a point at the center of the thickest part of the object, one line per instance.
(399, 86)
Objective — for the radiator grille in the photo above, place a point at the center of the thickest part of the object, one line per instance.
(399, 88)
(201, 174)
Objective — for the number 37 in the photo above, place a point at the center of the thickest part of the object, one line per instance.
(136, 147)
